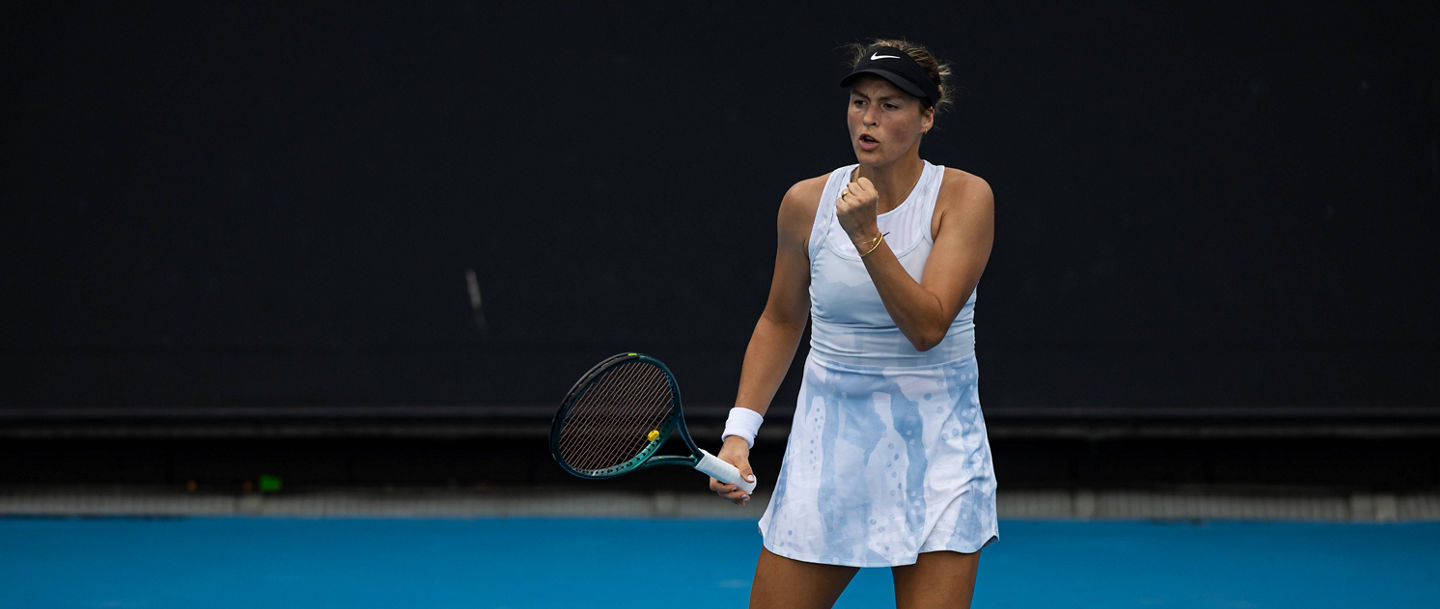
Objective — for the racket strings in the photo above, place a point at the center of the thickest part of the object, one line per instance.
(610, 423)
(622, 412)
(608, 426)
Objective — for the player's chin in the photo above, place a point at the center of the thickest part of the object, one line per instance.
(871, 158)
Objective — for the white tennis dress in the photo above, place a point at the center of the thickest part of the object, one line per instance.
(888, 455)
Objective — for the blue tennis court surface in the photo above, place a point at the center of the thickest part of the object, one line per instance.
(571, 563)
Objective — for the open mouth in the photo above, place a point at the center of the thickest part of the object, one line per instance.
(868, 140)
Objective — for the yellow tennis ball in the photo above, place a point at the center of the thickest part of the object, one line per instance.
(654, 433)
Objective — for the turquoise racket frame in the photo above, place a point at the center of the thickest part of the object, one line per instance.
(673, 423)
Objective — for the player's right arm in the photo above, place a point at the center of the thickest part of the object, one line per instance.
(777, 334)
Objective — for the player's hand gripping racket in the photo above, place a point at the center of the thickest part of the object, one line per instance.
(618, 415)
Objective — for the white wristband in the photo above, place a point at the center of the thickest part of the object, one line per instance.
(742, 422)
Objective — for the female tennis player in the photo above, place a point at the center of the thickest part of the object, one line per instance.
(888, 463)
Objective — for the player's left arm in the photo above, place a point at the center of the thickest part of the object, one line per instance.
(964, 231)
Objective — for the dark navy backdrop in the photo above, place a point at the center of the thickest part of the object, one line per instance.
(1201, 207)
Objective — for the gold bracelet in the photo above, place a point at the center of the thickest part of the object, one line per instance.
(875, 245)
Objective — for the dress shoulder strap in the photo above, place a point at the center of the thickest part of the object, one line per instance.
(825, 211)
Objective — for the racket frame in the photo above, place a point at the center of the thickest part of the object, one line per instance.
(674, 423)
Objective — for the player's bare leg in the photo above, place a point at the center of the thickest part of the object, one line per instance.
(783, 583)
(937, 580)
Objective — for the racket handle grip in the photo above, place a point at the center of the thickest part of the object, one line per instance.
(722, 471)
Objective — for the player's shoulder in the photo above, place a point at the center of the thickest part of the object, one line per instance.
(803, 197)
(806, 192)
(962, 185)
(798, 208)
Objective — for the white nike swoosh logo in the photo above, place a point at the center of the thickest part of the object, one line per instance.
(875, 56)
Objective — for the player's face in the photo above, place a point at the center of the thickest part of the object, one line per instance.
(885, 122)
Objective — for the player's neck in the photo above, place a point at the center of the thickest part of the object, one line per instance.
(894, 181)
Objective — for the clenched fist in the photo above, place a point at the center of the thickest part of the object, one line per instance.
(856, 208)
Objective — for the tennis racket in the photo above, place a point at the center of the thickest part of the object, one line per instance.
(617, 416)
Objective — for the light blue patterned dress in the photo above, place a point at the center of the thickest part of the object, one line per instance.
(888, 455)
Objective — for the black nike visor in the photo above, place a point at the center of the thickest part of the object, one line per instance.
(897, 68)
